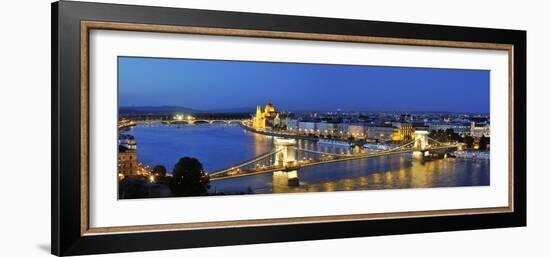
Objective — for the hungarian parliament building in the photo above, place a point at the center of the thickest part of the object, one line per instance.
(266, 118)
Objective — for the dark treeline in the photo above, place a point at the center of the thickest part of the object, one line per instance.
(221, 115)
(449, 135)
(188, 179)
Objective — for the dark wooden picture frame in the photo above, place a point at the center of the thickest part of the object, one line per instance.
(71, 22)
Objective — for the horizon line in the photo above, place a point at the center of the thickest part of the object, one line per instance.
(303, 110)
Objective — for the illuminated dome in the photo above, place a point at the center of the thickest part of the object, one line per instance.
(269, 108)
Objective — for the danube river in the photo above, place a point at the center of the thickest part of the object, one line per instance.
(220, 146)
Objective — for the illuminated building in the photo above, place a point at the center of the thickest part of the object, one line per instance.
(277, 121)
(458, 128)
(127, 141)
(326, 128)
(342, 129)
(384, 133)
(262, 118)
(307, 127)
(405, 131)
(127, 156)
(480, 131)
(358, 131)
(292, 124)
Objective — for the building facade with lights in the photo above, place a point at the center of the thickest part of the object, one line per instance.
(384, 133)
(479, 131)
(127, 156)
(264, 119)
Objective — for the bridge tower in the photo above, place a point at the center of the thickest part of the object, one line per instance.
(421, 139)
(286, 149)
(420, 143)
(286, 159)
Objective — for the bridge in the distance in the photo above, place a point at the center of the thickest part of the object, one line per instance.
(286, 164)
(205, 121)
(190, 121)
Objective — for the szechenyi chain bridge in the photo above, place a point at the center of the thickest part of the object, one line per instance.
(286, 166)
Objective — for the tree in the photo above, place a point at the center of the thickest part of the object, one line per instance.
(436, 134)
(469, 141)
(132, 188)
(483, 142)
(447, 135)
(159, 170)
(189, 178)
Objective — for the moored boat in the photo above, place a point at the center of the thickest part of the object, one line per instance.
(335, 142)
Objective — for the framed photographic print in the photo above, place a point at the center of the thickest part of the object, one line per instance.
(177, 128)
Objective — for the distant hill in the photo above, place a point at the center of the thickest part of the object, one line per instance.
(178, 109)
(156, 109)
(233, 110)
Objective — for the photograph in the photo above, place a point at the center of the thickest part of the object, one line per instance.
(200, 127)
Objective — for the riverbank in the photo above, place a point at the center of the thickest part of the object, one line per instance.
(290, 136)
(276, 134)
(482, 155)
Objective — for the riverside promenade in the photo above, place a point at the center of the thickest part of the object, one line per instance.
(285, 135)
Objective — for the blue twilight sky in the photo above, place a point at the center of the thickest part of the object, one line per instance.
(217, 85)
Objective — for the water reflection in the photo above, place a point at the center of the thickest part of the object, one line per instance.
(437, 173)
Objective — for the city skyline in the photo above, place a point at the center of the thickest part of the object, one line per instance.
(299, 87)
